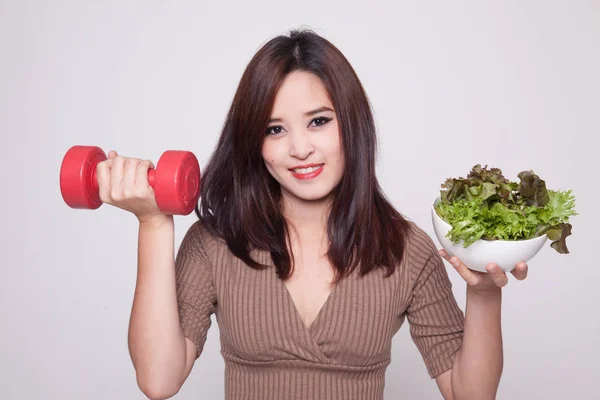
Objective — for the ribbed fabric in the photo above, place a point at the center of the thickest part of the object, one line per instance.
(270, 354)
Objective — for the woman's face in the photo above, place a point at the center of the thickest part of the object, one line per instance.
(302, 148)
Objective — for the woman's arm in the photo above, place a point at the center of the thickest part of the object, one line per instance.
(478, 366)
(162, 358)
(477, 369)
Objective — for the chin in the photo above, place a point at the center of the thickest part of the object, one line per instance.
(311, 195)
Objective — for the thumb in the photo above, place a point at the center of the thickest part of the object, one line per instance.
(112, 154)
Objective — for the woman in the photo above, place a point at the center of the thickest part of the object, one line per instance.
(309, 269)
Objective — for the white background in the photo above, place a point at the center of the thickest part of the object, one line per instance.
(512, 84)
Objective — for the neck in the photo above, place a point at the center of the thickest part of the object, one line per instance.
(307, 219)
(306, 216)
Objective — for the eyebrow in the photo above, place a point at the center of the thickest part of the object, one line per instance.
(307, 114)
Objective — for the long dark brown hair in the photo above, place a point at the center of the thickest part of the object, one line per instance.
(240, 200)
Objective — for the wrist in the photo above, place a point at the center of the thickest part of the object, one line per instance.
(491, 293)
(155, 221)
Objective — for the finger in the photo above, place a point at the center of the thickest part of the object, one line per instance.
(141, 174)
(129, 170)
(498, 276)
(520, 271)
(116, 172)
(112, 154)
(103, 178)
(469, 276)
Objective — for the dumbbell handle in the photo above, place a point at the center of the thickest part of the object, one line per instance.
(151, 179)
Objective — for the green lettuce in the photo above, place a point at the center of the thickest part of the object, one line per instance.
(486, 205)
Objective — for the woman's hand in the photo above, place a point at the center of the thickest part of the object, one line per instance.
(482, 282)
(123, 183)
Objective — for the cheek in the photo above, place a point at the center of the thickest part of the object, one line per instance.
(334, 147)
(269, 156)
(267, 153)
(337, 154)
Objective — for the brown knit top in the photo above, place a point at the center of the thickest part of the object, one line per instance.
(269, 353)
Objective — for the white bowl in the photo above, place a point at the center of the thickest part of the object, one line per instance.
(505, 253)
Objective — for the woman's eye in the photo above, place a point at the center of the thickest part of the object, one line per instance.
(274, 130)
(321, 121)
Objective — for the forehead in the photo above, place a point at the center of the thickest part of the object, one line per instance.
(300, 92)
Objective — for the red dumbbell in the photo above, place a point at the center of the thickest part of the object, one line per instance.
(176, 179)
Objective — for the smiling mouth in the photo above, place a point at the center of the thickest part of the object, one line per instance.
(308, 171)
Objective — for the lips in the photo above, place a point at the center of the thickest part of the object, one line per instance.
(308, 171)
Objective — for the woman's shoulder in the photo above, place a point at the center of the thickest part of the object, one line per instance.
(420, 246)
(200, 238)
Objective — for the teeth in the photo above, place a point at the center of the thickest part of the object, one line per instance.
(306, 170)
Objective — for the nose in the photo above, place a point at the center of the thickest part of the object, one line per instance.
(301, 146)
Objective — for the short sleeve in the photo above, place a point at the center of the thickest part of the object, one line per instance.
(436, 322)
(196, 294)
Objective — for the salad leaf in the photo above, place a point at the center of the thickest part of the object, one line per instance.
(533, 189)
(487, 206)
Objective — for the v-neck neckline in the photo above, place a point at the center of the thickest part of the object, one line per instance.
(292, 305)
(290, 300)
(309, 329)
